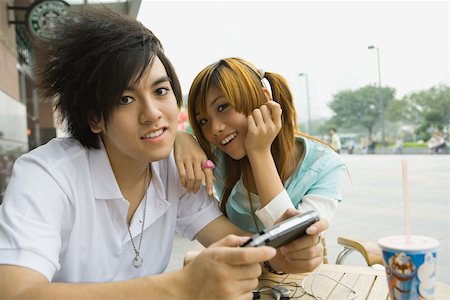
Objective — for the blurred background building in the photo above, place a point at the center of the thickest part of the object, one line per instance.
(26, 121)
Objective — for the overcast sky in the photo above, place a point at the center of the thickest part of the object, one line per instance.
(327, 40)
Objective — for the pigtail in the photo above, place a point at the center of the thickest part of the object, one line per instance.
(281, 93)
(284, 145)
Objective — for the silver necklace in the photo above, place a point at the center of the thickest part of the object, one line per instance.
(137, 260)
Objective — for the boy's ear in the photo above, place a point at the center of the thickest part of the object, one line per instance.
(267, 93)
(96, 126)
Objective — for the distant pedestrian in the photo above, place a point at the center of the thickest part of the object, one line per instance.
(350, 146)
(398, 147)
(335, 140)
(363, 145)
(371, 146)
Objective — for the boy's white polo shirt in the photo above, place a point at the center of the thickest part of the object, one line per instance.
(69, 222)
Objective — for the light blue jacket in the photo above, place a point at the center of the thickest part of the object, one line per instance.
(320, 173)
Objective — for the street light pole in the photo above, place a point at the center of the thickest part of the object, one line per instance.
(307, 102)
(380, 98)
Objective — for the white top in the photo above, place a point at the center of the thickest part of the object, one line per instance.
(64, 216)
(324, 206)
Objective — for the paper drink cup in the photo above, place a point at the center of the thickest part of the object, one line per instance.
(410, 266)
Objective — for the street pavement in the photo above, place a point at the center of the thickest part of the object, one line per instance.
(373, 205)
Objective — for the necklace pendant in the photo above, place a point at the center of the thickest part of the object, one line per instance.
(137, 261)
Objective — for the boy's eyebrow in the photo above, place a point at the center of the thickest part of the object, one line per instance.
(156, 82)
(161, 80)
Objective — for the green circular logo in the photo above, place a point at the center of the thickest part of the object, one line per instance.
(41, 16)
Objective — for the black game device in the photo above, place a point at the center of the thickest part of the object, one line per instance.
(285, 232)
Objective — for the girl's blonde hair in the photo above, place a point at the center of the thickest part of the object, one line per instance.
(241, 83)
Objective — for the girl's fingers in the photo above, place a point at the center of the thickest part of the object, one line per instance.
(275, 112)
(305, 254)
(251, 123)
(198, 177)
(190, 177)
(209, 180)
(182, 173)
(317, 227)
(257, 116)
(265, 113)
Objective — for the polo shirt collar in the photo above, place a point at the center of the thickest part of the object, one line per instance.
(103, 179)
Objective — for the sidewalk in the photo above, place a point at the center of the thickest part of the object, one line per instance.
(373, 205)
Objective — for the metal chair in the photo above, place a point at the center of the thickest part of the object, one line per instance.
(368, 249)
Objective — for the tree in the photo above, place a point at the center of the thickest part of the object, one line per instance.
(424, 109)
(360, 107)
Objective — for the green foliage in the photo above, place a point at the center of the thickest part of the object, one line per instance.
(425, 109)
(432, 105)
(360, 108)
(414, 145)
(356, 109)
(434, 117)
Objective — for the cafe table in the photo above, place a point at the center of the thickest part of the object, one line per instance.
(369, 283)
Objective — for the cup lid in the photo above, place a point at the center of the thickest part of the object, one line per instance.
(415, 243)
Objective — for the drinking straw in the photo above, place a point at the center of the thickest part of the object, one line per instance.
(406, 200)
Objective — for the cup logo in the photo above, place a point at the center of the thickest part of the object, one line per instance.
(402, 266)
(410, 265)
(411, 276)
(426, 275)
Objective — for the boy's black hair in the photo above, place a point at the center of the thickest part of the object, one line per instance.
(87, 63)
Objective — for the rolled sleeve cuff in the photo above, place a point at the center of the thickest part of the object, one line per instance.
(193, 224)
(325, 206)
(275, 209)
(28, 259)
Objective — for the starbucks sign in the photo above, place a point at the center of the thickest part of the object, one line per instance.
(41, 16)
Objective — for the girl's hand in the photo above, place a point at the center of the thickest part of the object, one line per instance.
(189, 157)
(303, 254)
(264, 124)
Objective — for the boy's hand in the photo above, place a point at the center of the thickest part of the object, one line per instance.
(225, 271)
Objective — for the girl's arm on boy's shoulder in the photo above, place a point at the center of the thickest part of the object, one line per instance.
(189, 157)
